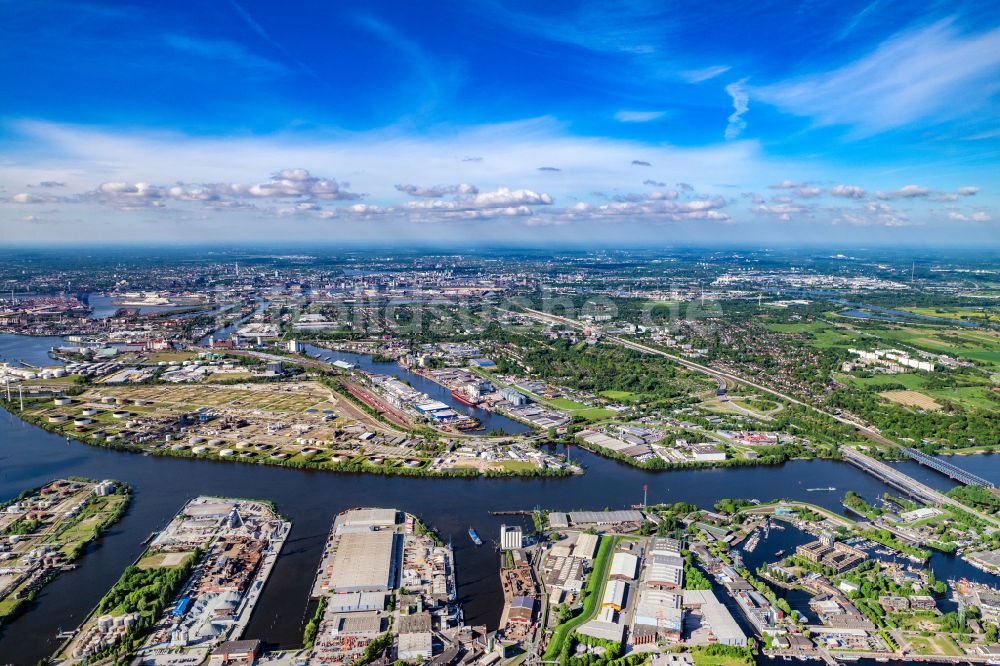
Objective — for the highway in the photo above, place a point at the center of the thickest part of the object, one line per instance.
(865, 462)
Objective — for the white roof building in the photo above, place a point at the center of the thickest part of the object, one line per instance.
(586, 546)
(614, 594)
(657, 608)
(624, 565)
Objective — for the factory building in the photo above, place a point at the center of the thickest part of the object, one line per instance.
(624, 566)
(367, 518)
(605, 517)
(586, 546)
(511, 537)
(665, 565)
(658, 616)
(615, 593)
(365, 562)
(716, 616)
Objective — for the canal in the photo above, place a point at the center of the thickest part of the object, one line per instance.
(490, 420)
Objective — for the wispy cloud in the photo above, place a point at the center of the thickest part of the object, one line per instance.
(625, 116)
(437, 191)
(266, 36)
(699, 75)
(905, 192)
(978, 216)
(223, 50)
(931, 73)
(741, 104)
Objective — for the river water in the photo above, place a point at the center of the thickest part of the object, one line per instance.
(489, 420)
(33, 350)
(30, 457)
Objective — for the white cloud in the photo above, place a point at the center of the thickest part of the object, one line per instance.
(625, 116)
(668, 195)
(783, 211)
(503, 197)
(978, 216)
(741, 104)
(926, 74)
(287, 183)
(808, 192)
(29, 198)
(905, 192)
(968, 190)
(196, 178)
(848, 191)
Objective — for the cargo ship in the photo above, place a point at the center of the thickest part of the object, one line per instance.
(475, 537)
(462, 398)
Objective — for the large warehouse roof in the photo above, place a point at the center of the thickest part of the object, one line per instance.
(624, 565)
(659, 609)
(605, 517)
(718, 618)
(367, 518)
(586, 546)
(365, 562)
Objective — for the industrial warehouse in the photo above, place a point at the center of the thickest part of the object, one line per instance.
(382, 570)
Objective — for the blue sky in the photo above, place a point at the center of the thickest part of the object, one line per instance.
(558, 122)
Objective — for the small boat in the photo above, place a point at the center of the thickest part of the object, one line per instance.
(820, 490)
(475, 537)
(779, 553)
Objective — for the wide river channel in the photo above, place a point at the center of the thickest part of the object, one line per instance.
(30, 457)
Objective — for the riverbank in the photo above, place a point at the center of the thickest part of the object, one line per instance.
(359, 464)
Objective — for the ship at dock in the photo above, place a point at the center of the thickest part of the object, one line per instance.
(463, 398)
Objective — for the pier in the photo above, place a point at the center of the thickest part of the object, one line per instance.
(949, 470)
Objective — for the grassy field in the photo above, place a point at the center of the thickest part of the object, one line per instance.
(161, 560)
(565, 403)
(934, 645)
(756, 403)
(975, 396)
(593, 413)
(963, 343)
(574, 408)
(519, 465)
(911, 399)
(75, 533)
(973, 345)
(702, 659)
(621, 396)
(958, 313)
